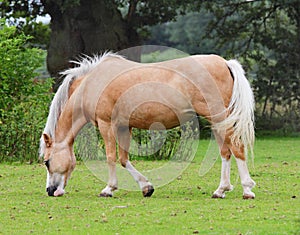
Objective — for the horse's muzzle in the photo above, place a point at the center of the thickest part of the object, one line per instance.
(51, 190)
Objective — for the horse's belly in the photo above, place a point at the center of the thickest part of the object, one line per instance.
(153, 115)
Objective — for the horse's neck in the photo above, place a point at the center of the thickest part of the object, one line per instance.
(70, 122)
(75, 84)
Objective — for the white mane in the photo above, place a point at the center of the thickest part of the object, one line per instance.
(85, 65)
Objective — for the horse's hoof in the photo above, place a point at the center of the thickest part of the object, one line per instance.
(218, 196)
(104, 195)
(148, 191)
(248, 196)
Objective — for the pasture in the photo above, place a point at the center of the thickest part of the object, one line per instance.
(184, 206)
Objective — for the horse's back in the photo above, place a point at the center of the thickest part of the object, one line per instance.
(163, 92)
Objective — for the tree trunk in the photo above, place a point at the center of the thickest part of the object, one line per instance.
(87, 28)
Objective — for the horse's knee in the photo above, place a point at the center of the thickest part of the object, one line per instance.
(236, 149)
(123, 157)
(111, 160)
(123, 162)
(225, 152)
(238, 152)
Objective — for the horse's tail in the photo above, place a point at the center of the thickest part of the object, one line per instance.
(241, 109)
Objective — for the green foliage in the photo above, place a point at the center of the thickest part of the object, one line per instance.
(24, 99)
(176, 144)
(147, 12)
(265, 36)
(65, 4)
(19, 9)
(167, 54)
(23, 15)
(187, 34)
(40, 33)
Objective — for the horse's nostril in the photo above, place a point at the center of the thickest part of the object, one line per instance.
(51, 190)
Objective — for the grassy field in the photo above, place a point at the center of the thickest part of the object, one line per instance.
(184, 206)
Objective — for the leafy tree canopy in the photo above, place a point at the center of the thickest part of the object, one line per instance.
(136, 13)
(266, 36)
(23, 15)
(89, 26)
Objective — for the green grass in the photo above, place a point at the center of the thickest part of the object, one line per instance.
(182, 207)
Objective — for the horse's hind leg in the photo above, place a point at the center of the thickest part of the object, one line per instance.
(110, 147)
(225, 171)
(246, 180)
(124, 135)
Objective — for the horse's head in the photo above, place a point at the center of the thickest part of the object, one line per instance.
(60, 162)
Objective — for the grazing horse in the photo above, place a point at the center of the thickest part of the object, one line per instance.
(116, 95)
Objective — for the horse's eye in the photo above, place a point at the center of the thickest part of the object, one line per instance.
(47, 163)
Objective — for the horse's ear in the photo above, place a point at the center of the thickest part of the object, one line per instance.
(47, 140)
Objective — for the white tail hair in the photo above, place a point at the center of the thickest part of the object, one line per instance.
(241, 109)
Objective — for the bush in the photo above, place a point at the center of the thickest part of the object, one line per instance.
(176, 144)
(24, 99)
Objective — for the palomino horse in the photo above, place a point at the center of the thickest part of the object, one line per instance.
(117, 95)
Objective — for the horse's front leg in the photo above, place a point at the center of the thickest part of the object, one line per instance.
(110, 147)
(124, 135)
